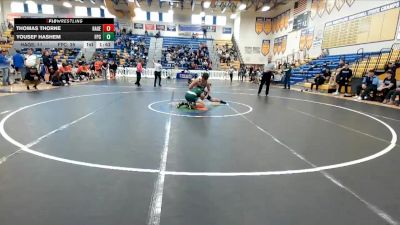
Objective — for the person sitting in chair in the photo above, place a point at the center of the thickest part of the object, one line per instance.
(369, 84)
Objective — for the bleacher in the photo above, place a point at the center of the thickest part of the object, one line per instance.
(192, 43)
(314, 67)
(123, 52)
(224, 66)
(60, 55)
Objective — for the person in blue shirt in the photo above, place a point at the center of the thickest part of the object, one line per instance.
(19, 66)
(369, 84)
(287, 69)
(4, 67)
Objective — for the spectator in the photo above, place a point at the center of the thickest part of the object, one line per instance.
(343, 79)
(288, 73)
(32, 77)
(318, 80)
(18, 61)
(104, 68)
(4, 67)
(139, 70)
(30, 60)
(113, 69)
(390, 98)
(388, 84)
(55, 76)
(369, 84)
(66, 73)
(83, 72)
(158, 34)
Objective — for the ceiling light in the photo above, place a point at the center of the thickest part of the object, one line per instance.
(202, 14)
(207, 4)
(67, 4)
(81, 1)
(131, 1)
(242, 6)
(102, 7)
(93, 1)
(233, 16)
(30, 2)
(265, 8)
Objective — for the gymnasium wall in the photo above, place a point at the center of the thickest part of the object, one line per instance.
(247, 35)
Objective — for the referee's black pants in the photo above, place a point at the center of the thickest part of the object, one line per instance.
(264, 81)
(157, 75)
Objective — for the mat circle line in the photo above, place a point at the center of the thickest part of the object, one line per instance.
(182, 173)
(150, 106)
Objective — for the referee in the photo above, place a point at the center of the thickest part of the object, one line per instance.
(157, 73)
(266, 78)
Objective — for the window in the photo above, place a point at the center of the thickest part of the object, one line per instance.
(17, 7)
(96, 12)
(140, 15)
(32, 7)
(221, 20)
(47, 9)
(154, 16)
(209, 20)
(196, 19)
(168, 17)
(80, 11)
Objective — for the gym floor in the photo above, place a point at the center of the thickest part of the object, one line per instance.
(111, 153)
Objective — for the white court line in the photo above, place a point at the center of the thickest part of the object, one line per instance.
(35, 142)
(182, 173)
(4, 112)
(150, 106)
(156, 201)
(338, 125)
(385, 117)
(372, 207)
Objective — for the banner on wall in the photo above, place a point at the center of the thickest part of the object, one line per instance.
(227, 30)
(301, 21)
(306, 38)
(350, 2)
(171, 27)
(339, 4)
(309, 38)
(149, 26)
(259, 24)
(283, 44)
(314, 8)
(267, 26)
(138, 26)
(160, 27)
(275, 49)
(321, 7)
(265, 47)
(211, 28)
(286, 19)
(190, 28)
(330, 4)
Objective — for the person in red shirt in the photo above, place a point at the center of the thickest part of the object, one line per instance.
(97, 67)
(139, 70)
(83, 71)
(66, 72)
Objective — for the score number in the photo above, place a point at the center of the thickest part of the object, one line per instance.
(108, 32)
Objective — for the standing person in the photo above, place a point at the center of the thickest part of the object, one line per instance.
(4, 67)
(113, 69)
(157, 73)
(230, 72)
(32, 77)
(31, 60)
(18, 61)
(139, 70)
(288, 73)
(104, 68)
(266, 78)
(343, 80)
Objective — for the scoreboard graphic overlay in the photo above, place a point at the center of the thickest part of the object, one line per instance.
(64, 33)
